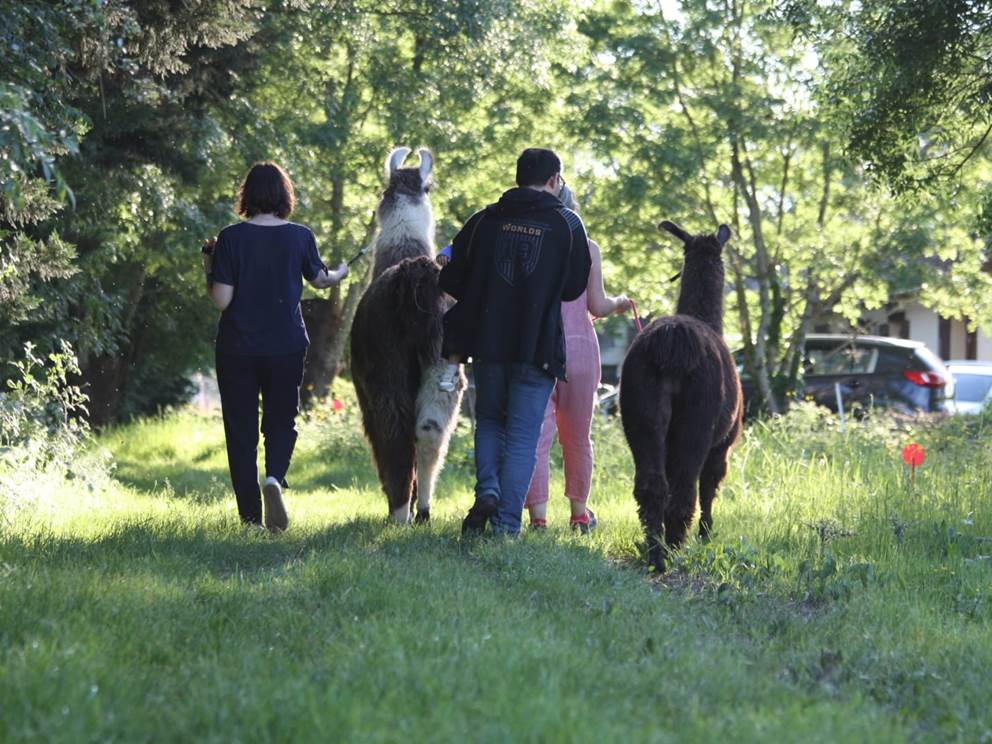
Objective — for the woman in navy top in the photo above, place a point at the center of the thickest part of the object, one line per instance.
(255, 275)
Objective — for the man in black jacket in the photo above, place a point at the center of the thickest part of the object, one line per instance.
(512, 265)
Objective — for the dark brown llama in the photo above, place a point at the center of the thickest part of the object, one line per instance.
(396, 344)
(681, 402)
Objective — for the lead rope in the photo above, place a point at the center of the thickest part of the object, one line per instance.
(637, 318)
(365, 248)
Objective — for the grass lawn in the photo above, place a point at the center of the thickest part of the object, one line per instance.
(838, 601)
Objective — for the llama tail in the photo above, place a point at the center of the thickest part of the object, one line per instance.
(672, 346)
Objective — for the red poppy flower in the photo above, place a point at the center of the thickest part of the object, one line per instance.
(913, 455)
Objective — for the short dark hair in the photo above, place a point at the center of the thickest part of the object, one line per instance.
(266, 190)
(536, 165)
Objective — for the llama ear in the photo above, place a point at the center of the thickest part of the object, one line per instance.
(426, 164)
(395, 160)
(675, 230)
(722, 235)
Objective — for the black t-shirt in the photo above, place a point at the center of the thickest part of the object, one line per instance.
(266, 265)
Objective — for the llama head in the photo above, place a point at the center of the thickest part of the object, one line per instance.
(404, 210)
(702, 290)
(698, 245)
(407, 185)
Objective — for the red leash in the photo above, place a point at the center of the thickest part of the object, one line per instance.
(637, 318)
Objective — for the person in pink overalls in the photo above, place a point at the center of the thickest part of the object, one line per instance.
(570, 410)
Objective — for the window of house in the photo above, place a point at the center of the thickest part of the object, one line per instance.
(898, 325)
(944, 338)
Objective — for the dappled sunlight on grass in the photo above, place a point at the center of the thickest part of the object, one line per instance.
(836, 600)
(173, 455)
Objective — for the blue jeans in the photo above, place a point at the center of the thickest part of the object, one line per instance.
(510, 399)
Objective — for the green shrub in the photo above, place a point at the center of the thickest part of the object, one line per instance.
(44, 437)
(40, 421)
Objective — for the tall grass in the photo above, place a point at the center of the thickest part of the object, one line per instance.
(839, 600)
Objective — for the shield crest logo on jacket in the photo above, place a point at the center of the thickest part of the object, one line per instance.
(518, 249)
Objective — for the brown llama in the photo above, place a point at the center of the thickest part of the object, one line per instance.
(396, 344)
(681, 402)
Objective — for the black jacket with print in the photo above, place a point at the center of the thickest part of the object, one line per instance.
(512, 265)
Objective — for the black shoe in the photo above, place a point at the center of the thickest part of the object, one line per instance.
(478, 516)
(585, 527)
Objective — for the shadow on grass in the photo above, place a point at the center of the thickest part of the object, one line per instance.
(204, 483)
(310, 473)
(222, 549)
(197, 483)
(217, 548)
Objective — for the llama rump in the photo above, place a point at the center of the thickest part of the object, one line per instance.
(396, 345)
(681, 402)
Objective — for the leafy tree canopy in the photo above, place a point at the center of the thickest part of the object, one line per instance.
(912, 80)
(125, 127)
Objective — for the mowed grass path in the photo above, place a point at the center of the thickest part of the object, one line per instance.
(836, 602)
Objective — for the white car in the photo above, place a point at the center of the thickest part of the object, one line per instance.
(972, 385)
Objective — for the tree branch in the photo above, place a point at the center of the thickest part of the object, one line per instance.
(971, 154)
(693, 128)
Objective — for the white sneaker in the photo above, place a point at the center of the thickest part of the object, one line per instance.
(449, 379)
(276, 519)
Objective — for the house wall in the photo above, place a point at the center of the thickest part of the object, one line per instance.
(984, 347)
(924, 325)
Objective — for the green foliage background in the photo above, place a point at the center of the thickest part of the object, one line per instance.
(125, 127)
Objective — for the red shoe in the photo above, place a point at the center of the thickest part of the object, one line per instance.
(585, 522)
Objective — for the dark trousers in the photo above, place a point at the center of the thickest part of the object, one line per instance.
(241, 379)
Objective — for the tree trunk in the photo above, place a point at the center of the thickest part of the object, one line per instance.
(329, 324)
(323, 322)
(739, 161)
(105, 376)
(103, 382)
(355, 292)
(760, 370)
(814, 304)
(792, 361)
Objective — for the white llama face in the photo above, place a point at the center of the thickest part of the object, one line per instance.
(414, 182)
(405, 207)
